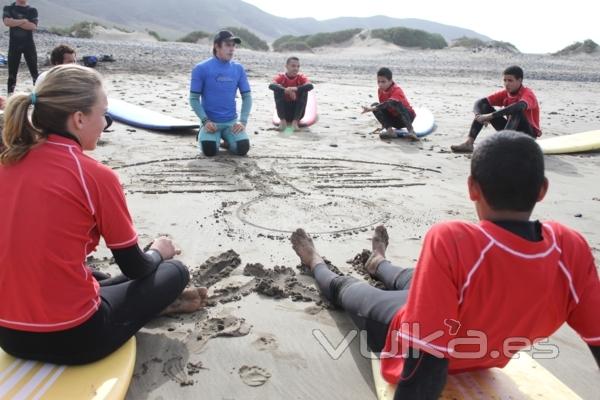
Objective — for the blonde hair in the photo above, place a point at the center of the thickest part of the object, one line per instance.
(66, 90)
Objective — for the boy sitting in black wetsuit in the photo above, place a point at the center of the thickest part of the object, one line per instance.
(489, 288)
(291, 94)
(520, 106)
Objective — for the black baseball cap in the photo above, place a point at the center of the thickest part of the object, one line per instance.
(223, 36)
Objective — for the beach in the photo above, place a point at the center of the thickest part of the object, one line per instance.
(267, 333)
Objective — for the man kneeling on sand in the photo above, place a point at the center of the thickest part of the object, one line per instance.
(213, 88)
(505, 277)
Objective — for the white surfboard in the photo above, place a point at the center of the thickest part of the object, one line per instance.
(424, 123)
(141, 117)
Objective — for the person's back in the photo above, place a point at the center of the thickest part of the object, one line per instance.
(70, 179)
(57, 202)
(481, 292)
(510, 292)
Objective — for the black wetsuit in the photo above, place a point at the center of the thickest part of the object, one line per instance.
(392, 113)
(516, 119)
(21, 43)
(291, 110)
(129, 301)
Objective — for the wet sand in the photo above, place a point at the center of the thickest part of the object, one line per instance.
(231, 216)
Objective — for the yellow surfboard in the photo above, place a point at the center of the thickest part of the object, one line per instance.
(575, 143)
(106, 379)
(522, 378)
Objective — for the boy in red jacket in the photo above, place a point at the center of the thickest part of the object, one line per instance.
(291, 94)
(480, 292)
(393, 110)
(518, 110)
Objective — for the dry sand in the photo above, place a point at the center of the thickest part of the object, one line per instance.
(232, 216)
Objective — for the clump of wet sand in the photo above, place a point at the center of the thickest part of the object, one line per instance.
(358, 264)
(216, 268)
(281, 282)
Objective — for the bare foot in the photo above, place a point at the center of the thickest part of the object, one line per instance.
(379, 243)
(189, 301)
(283, 125)
(295, 125)
(389, 133)
(305, 249)
(412, 136)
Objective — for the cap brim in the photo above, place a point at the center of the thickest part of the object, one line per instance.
(234, 39)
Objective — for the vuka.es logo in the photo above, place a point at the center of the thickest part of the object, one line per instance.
(475, 340)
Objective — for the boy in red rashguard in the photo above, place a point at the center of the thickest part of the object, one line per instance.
(393, 110)
(518, 109)
(480, 292)
(291, 94)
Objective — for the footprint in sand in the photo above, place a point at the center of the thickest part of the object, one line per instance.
(254, 376)
(206, 330)
(269, 343)
(266, 342)
(173, 368)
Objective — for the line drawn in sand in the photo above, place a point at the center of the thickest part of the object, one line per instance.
(294, 191)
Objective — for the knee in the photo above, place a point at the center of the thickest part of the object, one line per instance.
(305, 88)
(381, 115)
(482, 106)
(338, 285)
(209, 148)
(242, 148)
(178, 269)
(277, 91)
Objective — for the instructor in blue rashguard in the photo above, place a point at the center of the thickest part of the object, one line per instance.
(215, 82)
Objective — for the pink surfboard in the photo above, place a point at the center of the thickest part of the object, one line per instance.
(310, 114)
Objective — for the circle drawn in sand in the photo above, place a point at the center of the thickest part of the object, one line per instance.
(317, 214)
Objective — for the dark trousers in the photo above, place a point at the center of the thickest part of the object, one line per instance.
(370, 308)
(291, 110)
(14, 59)
(516, 122)
(126, 306)
(393, 114)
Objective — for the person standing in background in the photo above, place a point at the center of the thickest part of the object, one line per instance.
(22, 21)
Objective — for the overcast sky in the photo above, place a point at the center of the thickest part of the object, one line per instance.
(531, 25)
